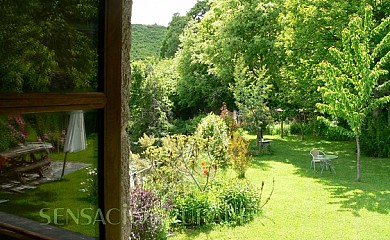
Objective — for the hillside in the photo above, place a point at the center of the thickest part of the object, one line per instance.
(146, 41)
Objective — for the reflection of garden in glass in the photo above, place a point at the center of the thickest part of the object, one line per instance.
(48, 46)
(49, 199)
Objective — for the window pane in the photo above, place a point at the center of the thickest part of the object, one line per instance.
(35, 183)
(48, 46)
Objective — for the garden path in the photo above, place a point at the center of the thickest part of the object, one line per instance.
(32, 180)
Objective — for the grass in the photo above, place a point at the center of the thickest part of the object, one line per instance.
(86, 156)
(306, 205)
(61, 195)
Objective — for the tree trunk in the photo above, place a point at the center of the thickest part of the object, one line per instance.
(358, 159)
(259, 138)
(281, 129)
(388, 115)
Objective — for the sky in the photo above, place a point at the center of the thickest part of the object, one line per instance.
(159, 12)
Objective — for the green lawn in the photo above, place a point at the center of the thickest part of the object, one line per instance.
(63, 195)
(306, 205)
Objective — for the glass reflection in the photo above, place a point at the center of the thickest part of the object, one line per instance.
(48, 169)
(48, 46)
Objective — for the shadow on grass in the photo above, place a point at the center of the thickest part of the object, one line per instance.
(27, 204)
(355, 199)
(372, 193)
(193, 232)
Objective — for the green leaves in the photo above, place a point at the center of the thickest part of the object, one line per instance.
(153, 84)
(251, 92)
(351, 79)
(48, 45)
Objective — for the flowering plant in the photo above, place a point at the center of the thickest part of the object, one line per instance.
(17, 125)
(90, 186)
(57, 139)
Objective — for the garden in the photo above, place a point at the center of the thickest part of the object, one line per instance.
(222, 120)
(217, 184)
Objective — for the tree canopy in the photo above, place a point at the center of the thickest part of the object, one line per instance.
(48, 46)
(352, 80)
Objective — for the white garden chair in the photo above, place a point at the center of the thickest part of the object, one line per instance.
(317, 157)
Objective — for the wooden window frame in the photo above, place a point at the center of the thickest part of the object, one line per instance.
(109, 101)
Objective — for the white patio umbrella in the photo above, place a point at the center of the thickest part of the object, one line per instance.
(75, 139)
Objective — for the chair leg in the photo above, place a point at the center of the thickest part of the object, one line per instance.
(313, 164)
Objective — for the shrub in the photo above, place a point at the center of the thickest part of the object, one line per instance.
(194, 209)
(147, 220)
(229, 120)
(375, 140)
(7, 140)
(238, 154)
(275, 129)
(238, 202)
(232, 202)
(186, 126)
(169, 163)
(213, 139)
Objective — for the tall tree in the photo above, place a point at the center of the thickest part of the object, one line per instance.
(239, 33)
(352, 80)
(153, 84)
(251, 93)
(176, 26)
(171, 41)
(48, 45)
(309, 29)
(197, 89)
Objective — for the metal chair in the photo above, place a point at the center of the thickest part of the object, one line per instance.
(317, 157)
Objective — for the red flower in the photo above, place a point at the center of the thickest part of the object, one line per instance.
(205, 172)
(203, 163)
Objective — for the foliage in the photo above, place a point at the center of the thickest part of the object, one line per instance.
(352, 80)
(238, 202)
(213, 139)
(17, 127)
(171, 40)
(172, 165)
(146, 220)
(153, 82)
(187, 127)
(198, 11)
(376, 134)
(228, 202)
(238, 154)
(90, 185)
(146, 41)
(275, 129)
(194, 209)
(251, 92)
(309, 29)
(238, 37)
(197, 89)
(178, 162)
(7, 139)
(57, 139)
(228, 118)
(47, 49)
(176, 26)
